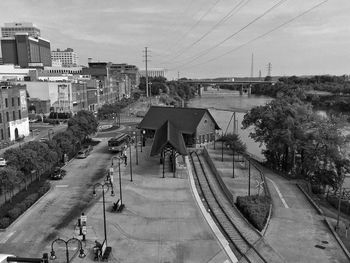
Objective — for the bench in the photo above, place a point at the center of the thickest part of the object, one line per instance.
(105, 255)
(116, 206)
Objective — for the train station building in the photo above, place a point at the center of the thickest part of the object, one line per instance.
(175, 129)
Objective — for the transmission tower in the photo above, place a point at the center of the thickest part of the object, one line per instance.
(269, 68)
(146, 55)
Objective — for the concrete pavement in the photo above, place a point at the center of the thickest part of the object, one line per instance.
(295, 227)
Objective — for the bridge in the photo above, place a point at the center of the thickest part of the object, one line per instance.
(244, 86)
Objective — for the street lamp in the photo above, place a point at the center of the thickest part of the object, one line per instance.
(81, 250)
(222, 146)
(142, 134)
(137, 157)
(104, 205)
(130, 162)
(233, 160)
(120, 182)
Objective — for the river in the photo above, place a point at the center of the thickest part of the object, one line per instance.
(223, 103)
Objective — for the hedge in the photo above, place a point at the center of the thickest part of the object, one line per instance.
(255, 208)
(344, 205)
(14, 210)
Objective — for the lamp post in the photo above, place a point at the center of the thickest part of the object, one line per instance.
(120, 180)
(104, 205)
(222, 146)
(137, 157)
(142, 134)
(249, 177)
(233, 160)
(130, 162)
(81, 250)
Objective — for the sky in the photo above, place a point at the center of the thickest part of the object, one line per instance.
(197, 38)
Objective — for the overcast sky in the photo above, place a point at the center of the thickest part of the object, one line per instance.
(188, 36)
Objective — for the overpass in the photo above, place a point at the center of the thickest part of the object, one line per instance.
(244, 86)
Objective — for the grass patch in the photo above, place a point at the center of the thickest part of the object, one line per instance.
(24, 199)
(255, 208)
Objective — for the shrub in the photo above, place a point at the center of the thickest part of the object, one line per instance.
(4, 222)
(14, 213)
(344, 205)
(22, 206)
(255, 209)
(42, 190)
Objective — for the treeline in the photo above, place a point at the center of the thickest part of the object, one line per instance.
(177, 90)
(338, 86)
(298, 141)
(42, 157)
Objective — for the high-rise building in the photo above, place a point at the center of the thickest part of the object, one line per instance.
(67, 57)
(10, 29)
(26, 51)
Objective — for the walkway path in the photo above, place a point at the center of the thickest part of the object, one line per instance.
(295, 227)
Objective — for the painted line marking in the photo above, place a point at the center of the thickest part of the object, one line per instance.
(279, 193)
(4, 240)
(62, 185)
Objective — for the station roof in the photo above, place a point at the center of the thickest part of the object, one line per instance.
(185, 120)
(168, 135)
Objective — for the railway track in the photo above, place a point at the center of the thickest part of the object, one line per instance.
(234, 228)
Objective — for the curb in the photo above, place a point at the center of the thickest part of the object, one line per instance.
(347, 253)
(318, 209)
(27, 211)
(263, 231)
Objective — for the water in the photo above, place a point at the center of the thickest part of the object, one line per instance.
(223, 103)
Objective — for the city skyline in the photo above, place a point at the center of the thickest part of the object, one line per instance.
(188, 37)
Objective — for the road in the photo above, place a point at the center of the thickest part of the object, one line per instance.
(59, 208)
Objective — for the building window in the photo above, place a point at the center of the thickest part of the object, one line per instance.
(14, 115)
(19, 114)
(2, 134)
(7, 116)
(13, 102)
(18, 101)
(6, 103)
(8, 132)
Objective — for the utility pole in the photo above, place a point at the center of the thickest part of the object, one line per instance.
(252, 67)
(146, 67)
(269, 68)
(178, 75)
(259, 74)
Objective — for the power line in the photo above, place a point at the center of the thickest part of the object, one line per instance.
(236, 8)
(260, 36)
(204, 52)
(196, 23)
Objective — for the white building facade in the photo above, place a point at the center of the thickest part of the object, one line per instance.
(67, 57)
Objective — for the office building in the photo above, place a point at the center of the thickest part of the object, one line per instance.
(67, 57)
(10, 29)
(26, 51)
(13, 112)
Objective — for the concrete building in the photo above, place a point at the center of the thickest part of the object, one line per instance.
(79, 96)
(14, 73)
(58, 93)
(153, 72)
(67, 57)
(93, 94)
(38, 106)
(63, 70)
(10, 29)
(26, 51)
(13, 112)
(131, 71)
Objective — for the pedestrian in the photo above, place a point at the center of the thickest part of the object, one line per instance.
(97, 249)
(125, 159)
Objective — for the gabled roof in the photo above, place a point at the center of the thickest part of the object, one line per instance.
(185, 120)
(166, 135)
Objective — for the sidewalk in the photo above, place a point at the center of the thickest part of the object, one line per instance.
(160, 223)
(295, 227)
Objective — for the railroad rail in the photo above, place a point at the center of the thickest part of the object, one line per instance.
(226, 217)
